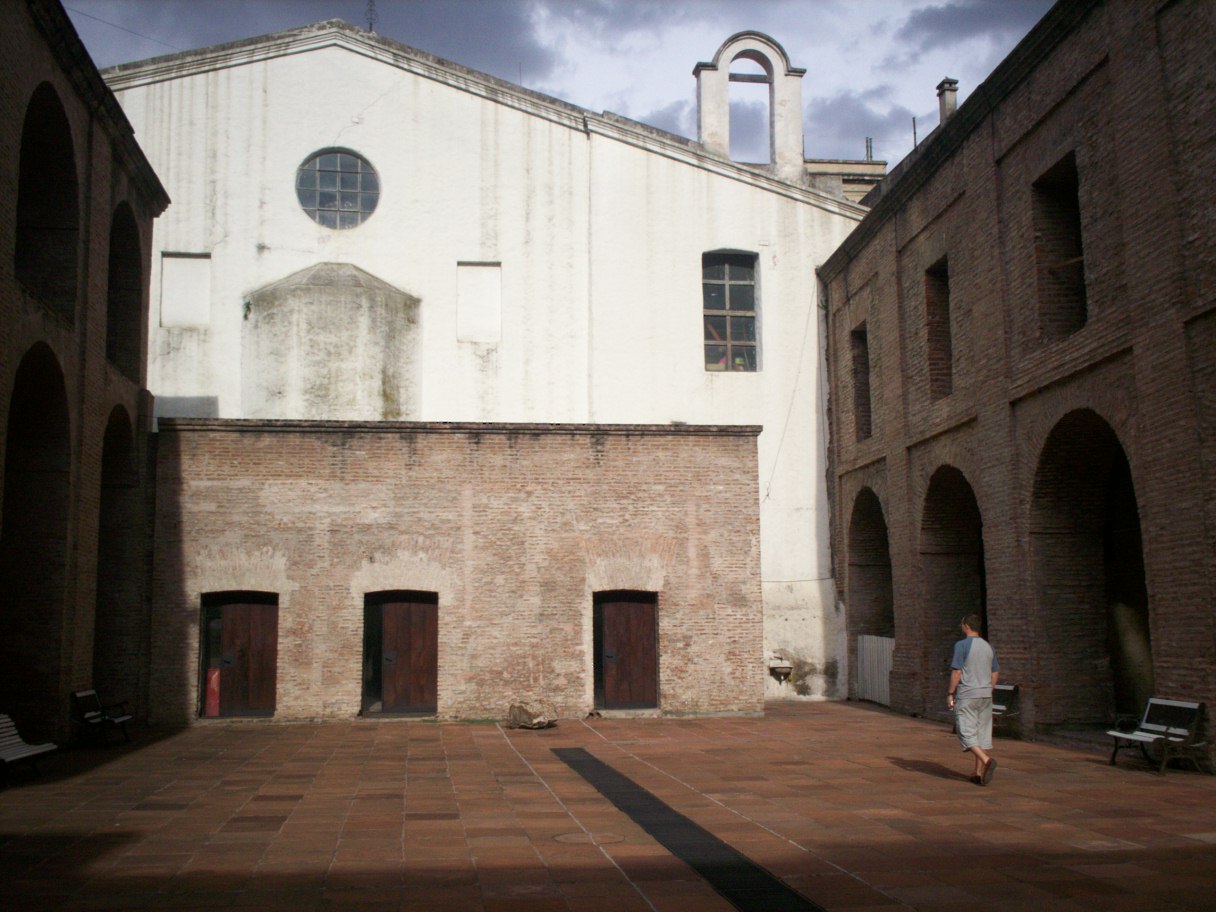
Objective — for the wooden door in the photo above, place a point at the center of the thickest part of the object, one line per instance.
(410, 656)
(630, 651)
(249, 652)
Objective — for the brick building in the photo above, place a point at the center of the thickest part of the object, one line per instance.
(1022, 352)
(77, 200)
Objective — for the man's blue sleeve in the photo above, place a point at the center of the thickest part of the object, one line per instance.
(961, 649)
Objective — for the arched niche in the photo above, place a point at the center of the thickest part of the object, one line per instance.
(871, 602)
(1091, 600)
(33, 542)
(48, 216)
(952, 572)
(119, 617)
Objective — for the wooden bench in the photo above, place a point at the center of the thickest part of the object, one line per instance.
(13, 747)
(1170, 727)
(96, 718)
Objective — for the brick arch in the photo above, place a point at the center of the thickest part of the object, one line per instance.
(1091, 600)
(871, 603)
(952, 573)
(119, 615)
(124, 299)
(33, 541)
(48, 210)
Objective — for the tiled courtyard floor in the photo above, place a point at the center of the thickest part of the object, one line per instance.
(852, 806)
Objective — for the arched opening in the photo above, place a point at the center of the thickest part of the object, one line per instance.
(953, 578)
(118, 654)
(48, 218)
(871, 618)
(124, 318)
(751, 103)
(33, 542)
(1091, 597)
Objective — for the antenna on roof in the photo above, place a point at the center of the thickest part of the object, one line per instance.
(372, 18)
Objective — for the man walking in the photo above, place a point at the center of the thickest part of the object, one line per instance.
(973, 671)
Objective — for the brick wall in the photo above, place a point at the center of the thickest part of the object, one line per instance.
(1084, 444)
(515, 528)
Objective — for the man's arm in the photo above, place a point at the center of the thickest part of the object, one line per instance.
(995, 675)
(956, 674)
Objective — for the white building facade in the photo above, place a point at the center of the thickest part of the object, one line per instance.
(363, 232)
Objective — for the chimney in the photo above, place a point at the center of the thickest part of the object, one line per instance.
(947, 99)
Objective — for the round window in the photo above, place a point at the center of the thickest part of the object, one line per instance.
(337, 188)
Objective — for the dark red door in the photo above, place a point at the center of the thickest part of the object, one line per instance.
(410, 657)
(630, 653)
(249, 651)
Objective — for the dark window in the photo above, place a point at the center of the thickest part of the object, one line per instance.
(124, 307)
(861, 382)
(337, 188)
(937, 320)
(1058, 252)
(728, 289)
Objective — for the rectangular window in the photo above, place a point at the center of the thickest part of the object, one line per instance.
(937, 320)
(728, 291)
(1058, 251)
(185, 289)
(478, 302)
(861, 382)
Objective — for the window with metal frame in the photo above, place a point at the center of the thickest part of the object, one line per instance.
(728, 291)
(337, 188)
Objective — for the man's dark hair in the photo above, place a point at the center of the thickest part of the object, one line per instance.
(973, 621)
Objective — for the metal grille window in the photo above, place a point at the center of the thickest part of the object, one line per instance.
(728, 287)
(337, 188)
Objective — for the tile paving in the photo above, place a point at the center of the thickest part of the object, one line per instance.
(854, 807)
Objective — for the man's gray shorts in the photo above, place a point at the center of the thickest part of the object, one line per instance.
(973, 718)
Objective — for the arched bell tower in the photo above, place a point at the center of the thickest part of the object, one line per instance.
(785, 99)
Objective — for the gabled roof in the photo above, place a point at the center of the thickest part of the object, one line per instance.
(332, 275)
(336, 33)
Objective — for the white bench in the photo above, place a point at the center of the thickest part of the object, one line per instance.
(1170, 727)
(13, 748)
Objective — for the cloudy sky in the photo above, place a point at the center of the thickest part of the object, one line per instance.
(872, 65)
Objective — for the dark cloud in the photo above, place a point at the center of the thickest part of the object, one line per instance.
(611, 20)
(941, 26)
(837, 127)
(487, 35)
